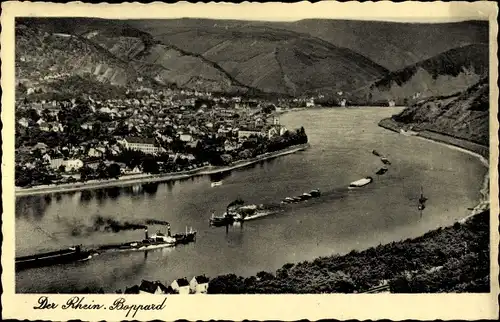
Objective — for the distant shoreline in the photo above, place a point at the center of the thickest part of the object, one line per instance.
(148, 178)
(481, 152)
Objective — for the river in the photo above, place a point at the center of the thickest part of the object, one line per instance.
(341, 220)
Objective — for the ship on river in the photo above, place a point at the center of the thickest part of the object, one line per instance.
(76, 253)
(240, 213)
(157, 240)
(63, 256)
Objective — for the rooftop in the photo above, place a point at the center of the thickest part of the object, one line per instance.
(182, 282)
(140, 140)
(202, 279)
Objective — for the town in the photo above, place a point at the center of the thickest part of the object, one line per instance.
(146, 131)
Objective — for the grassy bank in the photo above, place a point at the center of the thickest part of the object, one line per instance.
(451, 259)
(147, 178)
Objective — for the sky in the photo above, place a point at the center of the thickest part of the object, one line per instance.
(411, 11)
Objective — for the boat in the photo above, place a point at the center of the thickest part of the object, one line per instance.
(157, 240)
(382, 171)
(216, 184)
(408, 132)
(186, 237)
(385, 160)
(306, 195)
(421, 200)
(287, 200)
(315, 193)
(361, 182)
(71, 254)
(224, 220)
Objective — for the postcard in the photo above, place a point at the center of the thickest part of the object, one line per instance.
(260, 161)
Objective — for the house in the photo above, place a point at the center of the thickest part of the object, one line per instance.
(181, 286)
(145, 145)
(56, 163)
(73, 164)
(69, 165)
(44, 127)
(392, 103)
(199, 284)
(132, 290)
(186, 137)
(245, 133)
(46, 158)
(40, 146)
(343, 102)
(95, 153)
(230, 146)
(23, 122)
(148, 287)
(86, 126)
(56, 127)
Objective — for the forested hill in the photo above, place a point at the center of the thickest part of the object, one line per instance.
(464, 115)
(445, 74)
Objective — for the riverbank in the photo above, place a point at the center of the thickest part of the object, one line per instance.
(479, 151)
(149, 178)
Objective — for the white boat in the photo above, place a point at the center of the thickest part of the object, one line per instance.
(361, 182)
(216, 184)
(408, 132)
(287, 200)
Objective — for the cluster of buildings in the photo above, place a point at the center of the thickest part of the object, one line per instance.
(197, 285)
(145, 120)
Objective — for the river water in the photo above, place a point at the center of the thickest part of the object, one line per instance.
(341, 141)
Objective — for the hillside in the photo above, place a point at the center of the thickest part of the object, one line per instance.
(389, 44)
(464, 115)
(289, 58)
(445, 74)
(394, 45)
(48, 52)
(42, 58)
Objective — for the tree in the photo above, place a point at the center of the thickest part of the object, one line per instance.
(102, 171)
(226, 159)
(114, 171)
(86, 173)
(150, 166)
(33, 115)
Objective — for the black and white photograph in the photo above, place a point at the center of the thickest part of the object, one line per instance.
(208, 154)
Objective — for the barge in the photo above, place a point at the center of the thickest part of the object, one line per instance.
(63, 256)
(360, 183)
(305, 196)
(382, 171)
